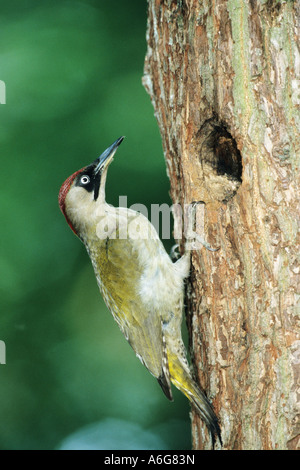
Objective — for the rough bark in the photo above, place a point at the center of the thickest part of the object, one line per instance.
(222, 77)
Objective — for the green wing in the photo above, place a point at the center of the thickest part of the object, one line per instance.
(118, 271)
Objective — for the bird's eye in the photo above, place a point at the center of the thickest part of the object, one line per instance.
(84, 179)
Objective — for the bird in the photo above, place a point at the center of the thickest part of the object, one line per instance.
(141, 285)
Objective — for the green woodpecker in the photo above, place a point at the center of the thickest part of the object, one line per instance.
(141, 286)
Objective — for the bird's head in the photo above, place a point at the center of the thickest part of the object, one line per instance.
(80, 193)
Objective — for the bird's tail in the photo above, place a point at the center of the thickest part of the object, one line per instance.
(181, 378)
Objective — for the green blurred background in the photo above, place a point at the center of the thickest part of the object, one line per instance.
(73, 72)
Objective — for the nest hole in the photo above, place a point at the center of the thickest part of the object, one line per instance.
(224, 156)
(221, 161)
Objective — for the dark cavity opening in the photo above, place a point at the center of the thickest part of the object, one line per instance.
(221, 160)
(223, 154)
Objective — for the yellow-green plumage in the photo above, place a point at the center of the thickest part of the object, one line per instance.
(135, 289)
(142, 287)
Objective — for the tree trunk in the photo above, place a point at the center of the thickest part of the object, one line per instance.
(222, 77)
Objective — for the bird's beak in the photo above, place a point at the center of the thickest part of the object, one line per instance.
(106, 157)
